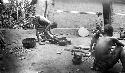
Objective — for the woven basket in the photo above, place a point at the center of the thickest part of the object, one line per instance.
(29, 43)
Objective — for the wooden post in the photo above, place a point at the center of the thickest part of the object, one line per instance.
(17, 11)
(107, 11)
(46, 5)
(53, 8)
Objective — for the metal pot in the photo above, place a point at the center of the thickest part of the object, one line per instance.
(29, 43)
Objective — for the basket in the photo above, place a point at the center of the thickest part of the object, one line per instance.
(29, 43)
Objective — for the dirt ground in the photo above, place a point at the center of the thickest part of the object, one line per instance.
(44, 58)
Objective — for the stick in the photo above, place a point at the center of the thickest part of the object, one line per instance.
(45, 9)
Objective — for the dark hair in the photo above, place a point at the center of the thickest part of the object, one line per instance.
(108, 29)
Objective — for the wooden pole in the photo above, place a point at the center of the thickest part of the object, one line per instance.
(17, 10)
(53, 8)
(45, 13)
(23, 9)
(107, 11)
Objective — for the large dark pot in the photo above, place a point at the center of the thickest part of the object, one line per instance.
(29, 43)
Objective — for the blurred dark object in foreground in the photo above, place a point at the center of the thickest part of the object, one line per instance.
(77, 59)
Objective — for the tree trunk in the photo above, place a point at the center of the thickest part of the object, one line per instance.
(107, 11)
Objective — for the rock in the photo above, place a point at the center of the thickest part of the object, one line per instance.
(22, 58)
(59, 52)
(41, 43)
(78, 70)
(41, 72)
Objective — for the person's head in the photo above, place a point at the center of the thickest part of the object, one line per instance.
(108, 30)
(121, 29)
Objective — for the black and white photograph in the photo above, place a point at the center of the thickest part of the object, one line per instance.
(62, 36)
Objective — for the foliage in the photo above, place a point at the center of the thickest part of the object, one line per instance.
(16, 14)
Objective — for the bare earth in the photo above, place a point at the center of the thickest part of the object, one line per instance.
(44, 58)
